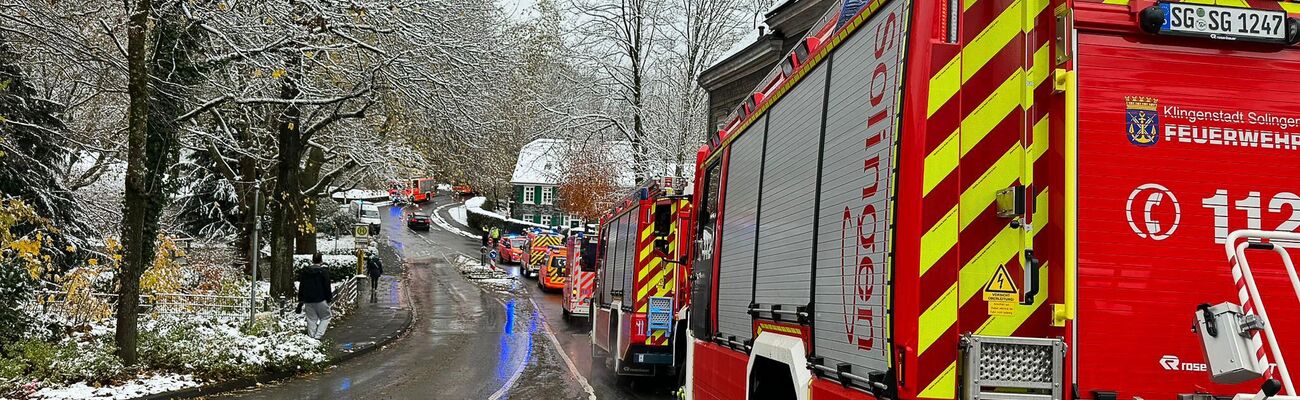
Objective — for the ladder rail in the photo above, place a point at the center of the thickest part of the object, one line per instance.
(1248, 292)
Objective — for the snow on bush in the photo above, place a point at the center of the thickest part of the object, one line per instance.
(176, 351)
(341, 267)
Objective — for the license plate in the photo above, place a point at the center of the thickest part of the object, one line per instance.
(1224, 23)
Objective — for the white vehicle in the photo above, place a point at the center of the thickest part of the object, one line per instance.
(367, 213)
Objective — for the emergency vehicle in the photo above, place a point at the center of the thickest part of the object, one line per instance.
(539, 245)
(581, 280)
(554, 269)
(1003, 199)
(511, 248)
(420, 190)
(638, 310)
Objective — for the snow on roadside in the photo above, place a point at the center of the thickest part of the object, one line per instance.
(139, 387)
(475, 205)
(492, 278)
(442, 223)
(458, 214)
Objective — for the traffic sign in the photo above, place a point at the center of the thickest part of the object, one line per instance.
(361, 230)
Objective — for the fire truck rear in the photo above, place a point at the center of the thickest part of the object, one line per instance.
(1007, 199)
(539, 245)
(581, 281)
(637, 320)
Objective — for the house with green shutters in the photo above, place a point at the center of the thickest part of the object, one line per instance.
(536, 181)
(537, 175)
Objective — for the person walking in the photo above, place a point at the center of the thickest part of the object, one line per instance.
(374, 269)
(314, 296)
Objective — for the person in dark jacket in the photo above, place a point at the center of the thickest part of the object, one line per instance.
(374, 268)
(314, 296)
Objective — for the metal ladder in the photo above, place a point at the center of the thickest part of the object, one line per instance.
(1253, 317)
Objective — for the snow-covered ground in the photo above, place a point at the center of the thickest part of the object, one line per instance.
(194, 345)
(458, 214)
(491, 278)
(442, 223)
(139, 387)
(329, 245)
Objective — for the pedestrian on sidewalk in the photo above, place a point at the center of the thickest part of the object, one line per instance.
(314, 296)
(374, 269)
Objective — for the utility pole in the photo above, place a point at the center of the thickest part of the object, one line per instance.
(254, 253)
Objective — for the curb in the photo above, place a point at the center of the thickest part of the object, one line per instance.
(243, 383)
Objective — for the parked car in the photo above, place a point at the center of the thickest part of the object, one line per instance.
(511, 248)
(418, 221)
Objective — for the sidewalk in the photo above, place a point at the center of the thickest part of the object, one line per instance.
(370, 323)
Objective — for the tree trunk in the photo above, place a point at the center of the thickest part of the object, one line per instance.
(287, 196)
(310, 176)
(137, 245)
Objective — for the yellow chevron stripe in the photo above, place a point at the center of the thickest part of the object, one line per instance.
(1116, 2)
(992, 39)
(649, 230)
(982, 192)
(944, 386)
(943, 314)
(991, 111)
(651, 265)
(944, 85)
(1037, 74)
(1290, 7)
(938, 240)
(941, 162)
(644, 253)
(654, 281)
(937, 319)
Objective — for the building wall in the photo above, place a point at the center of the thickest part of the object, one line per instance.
(534, 203)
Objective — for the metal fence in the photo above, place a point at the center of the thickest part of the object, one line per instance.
(345, 299)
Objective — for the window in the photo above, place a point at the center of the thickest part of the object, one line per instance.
(527, 217)
(528, 196)
(548, 195)
(546, 220)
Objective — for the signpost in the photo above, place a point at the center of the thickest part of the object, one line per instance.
(361, 234)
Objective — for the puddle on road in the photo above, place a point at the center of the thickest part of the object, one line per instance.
(515, 347)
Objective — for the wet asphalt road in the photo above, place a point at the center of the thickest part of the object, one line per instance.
(466, 342)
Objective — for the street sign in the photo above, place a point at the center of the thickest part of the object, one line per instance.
(361, 230)
(493, 255)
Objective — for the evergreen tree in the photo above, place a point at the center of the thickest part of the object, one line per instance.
(33, 144)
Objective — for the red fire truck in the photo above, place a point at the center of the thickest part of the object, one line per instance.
(420, 190)
(1001, 199)
(581, 281)
(638, 311)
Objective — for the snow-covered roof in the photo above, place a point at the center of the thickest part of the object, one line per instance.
(541, 162)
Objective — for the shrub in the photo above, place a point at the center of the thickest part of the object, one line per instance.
(340, 267)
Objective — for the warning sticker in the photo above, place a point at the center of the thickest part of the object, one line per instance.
(1002, 308)
(1001, 288)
